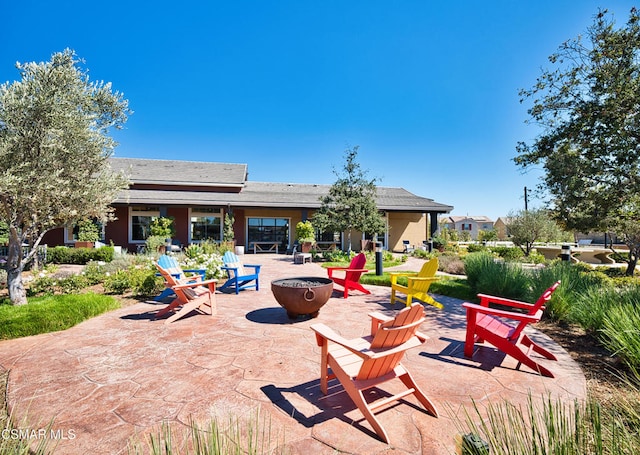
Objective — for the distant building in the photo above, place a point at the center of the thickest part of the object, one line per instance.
(467, 224)
(502, 227)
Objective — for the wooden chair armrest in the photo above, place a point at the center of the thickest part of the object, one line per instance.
(377, 319)
(502, 313)
(324, 333)
(486, 299)
(402, 273)
(379, 316)
(254, 266)
(423, 278)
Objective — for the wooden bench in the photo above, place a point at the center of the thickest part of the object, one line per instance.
(265, 247)
(322, 247)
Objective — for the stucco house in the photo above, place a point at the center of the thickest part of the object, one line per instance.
(470, 224)
(198, 194)
(502, 227)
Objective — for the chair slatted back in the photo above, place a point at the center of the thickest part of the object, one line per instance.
(392, 333)
(170, 279)
(232, 260)
(358, 262)
(428, 270)
(170, 264)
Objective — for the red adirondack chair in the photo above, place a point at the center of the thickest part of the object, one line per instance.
(352, 274)
(487, 324)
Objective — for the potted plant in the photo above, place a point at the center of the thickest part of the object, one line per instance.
(306, 236)
(161, 233)
(88, 234)
(228, 234)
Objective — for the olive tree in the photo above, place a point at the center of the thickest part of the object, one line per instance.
(351, 202)
(54, 150)
(529, 226)
(588, 108)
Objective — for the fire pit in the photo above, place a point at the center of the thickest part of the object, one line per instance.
(302, 295)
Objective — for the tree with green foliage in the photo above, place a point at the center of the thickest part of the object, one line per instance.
(487, 235)
(88, 231)
(351, 202)
(162, 227)
(54, 151)
(529, 226)
(625, 224)
(228, 234)
(588, 108)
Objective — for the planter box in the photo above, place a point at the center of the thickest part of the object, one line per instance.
(84, 244)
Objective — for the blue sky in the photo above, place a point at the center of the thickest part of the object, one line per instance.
(428, 90)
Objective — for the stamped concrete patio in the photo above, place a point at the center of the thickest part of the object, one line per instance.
(123, 373)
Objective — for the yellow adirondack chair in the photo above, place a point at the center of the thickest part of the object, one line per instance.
(417, 286)
(367, 362)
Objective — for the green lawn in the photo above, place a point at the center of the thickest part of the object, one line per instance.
(51, 313)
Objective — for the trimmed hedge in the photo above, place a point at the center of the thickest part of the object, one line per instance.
(66, 255)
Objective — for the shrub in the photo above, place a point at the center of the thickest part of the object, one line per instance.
(117, 283)
(590, 307)
(475, 247)
(477, 264)
(140, 280)
(506, 279)
(203, 256)
(88, 231)
(576, 279)
(423, 254)
(94, 272)
(154, 242)
(66, 255)
(44, 285)
(534, 258)
(621, 331)
(508, 253)
(450, 263)
(335, 256)
(553, 427)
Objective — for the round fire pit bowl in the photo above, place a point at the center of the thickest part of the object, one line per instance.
(302, 295)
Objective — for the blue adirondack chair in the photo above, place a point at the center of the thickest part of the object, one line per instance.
(239, 278)
(170, 264)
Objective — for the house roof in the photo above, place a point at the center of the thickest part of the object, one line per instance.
(252, 194)
(477, 219)
(181, 173)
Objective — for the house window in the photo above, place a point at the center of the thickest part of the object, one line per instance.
(206, 224)
(328, 236)
(140, 222)
(268, 230)
(466, 226)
